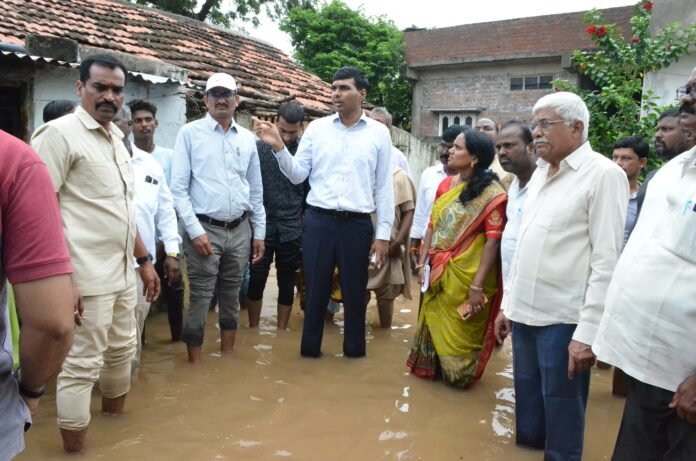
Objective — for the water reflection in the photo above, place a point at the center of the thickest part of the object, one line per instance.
(264, 402)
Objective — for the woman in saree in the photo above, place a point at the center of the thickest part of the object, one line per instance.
(455, 334)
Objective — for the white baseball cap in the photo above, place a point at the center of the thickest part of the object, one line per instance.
(221, 80)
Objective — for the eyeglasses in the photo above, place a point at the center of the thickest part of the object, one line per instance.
(544, 124)
(686, 90)
(223, 95)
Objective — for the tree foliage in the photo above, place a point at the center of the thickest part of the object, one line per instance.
(618, 107)
(335, 36)
(219, 11)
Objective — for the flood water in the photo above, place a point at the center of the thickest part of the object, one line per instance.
(265, 402)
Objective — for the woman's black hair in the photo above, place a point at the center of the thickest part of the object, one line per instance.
(480, 146)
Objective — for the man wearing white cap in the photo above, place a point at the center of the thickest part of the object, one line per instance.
(216, 183)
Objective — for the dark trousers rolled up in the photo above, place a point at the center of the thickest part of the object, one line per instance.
(327, 242)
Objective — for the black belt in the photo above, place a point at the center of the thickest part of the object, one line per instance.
(339, 214)
(227, 225)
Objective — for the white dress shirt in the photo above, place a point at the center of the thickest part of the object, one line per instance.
(399, 159)
(154, 206)
(349, 168)
(648, 329)
(217, 174)
(515, 206)
(429, 181)
(568, 243)
(164, 158)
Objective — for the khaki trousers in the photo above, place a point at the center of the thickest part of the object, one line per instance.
(102, 349)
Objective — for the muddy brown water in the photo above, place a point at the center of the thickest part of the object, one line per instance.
(265, 402)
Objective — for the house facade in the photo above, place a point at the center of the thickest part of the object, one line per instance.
(496, 70)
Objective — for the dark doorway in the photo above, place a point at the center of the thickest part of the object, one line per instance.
(11, 119)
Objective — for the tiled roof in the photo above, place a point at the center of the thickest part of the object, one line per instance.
(510, 39)
(265, 73)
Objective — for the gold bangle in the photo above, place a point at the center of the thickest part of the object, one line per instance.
(475, 288)
(413, 250)
(420, 266)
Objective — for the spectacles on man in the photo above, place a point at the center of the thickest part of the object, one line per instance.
(544, 124)
(221, 95)
(684, 90)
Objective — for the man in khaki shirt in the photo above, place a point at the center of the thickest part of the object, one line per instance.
(567, 246)
(92, 176)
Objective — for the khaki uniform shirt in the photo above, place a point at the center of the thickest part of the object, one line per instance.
(93, 178)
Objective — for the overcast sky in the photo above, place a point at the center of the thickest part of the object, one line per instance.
(444, 13)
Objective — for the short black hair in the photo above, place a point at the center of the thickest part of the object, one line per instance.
(58, 108)
(291, 112)
(524, 128)
(452, 131)
(638, 144)
(669, 113)
(356, 74)
(103, 60)
(142, 104)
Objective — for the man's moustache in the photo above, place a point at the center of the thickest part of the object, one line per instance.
(110, 105)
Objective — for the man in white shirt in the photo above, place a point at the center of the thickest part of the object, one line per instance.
(648, 329)
(631, 154)
(516, 154)
(567, 247)
(382, 115)
(429, 181)
(218, 192)
(154, 213)
(144, 124)
(347, 157)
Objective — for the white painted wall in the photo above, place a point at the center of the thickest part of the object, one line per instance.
(53, 83)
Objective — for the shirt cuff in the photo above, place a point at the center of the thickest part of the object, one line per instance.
(171, 246)
(259, 232)
(383, 233)
(585, 333)
(195, 231)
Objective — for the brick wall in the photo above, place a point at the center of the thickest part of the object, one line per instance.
(478, 87)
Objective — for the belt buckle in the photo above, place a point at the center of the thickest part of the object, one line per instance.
(343, 215)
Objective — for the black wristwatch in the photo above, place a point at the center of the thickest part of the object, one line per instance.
(32, 394)
(143, 259)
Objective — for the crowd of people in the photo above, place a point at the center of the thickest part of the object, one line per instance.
(522, 230)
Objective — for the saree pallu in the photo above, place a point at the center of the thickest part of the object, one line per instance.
(445, 343)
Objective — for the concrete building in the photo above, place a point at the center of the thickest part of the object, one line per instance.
(665, 82)
(496, 69)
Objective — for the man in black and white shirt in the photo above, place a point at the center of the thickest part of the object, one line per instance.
(284, 204)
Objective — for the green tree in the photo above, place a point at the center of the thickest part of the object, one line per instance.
(335, 36)
(219, 11)
(618, 107)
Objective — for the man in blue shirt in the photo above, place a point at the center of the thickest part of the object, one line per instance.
(347, 158)
(216, 183)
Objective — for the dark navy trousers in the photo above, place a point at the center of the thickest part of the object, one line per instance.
(328, 242)
(549, 407)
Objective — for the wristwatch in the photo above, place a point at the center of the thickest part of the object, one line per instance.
(176, 256)
(143, 259)
(32, 394)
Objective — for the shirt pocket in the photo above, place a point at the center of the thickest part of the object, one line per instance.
(95, 179)
(681, 233)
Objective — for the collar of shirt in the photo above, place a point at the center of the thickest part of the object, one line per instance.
(91, 124)
(214, 124)
(363, 119)
(574, 160)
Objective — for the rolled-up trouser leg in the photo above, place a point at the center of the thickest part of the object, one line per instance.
(237, 249)
(82, 367)
(202, 274)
